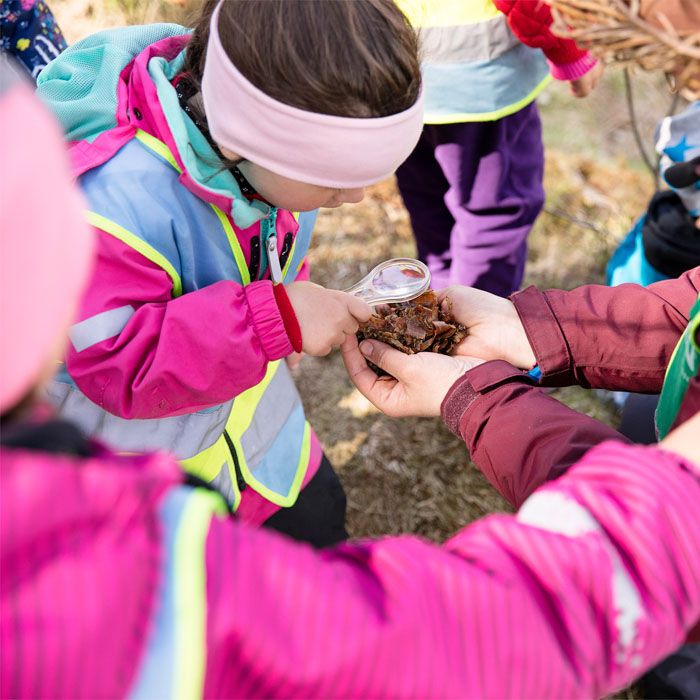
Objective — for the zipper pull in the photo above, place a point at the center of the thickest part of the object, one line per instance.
(273, 258)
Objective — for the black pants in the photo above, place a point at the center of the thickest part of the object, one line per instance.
(318, 516)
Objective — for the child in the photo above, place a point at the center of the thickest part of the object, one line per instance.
(473, 184)
(121, 580)
(665, 240)
(192, 152)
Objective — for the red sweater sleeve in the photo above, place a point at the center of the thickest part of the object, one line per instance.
(517, 435)
(608, 337)
(530, 21)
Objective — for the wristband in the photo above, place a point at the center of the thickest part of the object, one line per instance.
(289, 317)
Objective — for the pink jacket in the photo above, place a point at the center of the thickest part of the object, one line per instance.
(596, 578)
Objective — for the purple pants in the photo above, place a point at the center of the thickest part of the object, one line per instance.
(473, 191)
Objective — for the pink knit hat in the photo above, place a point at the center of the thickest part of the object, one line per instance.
(45, 244)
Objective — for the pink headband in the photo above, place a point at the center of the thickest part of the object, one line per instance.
(320, 149)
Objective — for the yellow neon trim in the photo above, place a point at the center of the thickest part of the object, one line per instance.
(295, 214)
(446, 13)
(244, 404)
(234, 485)
(290, 258)
(158, 146)
(694, 326)
(191, 594)
(242, 413)
(273, 496)
(691, 329)
(459, 117)
(207, 463)
(133, 241)
(235, 245)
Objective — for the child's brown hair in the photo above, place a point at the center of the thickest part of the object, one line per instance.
(350, 58)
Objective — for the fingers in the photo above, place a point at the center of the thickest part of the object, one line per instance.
(358, 308)
(351, 326)
(356, 365)
(389, 359)
(442, 294)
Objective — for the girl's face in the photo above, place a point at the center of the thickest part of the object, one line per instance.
(293, 195)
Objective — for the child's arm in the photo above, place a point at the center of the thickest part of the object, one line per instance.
(607, 337)
(593, 581)
(139, 353)
(517, 435)
(596, 336)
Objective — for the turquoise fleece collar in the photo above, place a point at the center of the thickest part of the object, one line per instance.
(200, 160)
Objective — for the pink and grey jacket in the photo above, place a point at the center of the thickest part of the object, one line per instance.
(119, 580)
(180, 317)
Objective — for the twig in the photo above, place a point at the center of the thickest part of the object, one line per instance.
(561, 214)
(635, 129)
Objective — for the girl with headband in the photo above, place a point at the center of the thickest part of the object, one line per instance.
(193, 152)
(121, 579)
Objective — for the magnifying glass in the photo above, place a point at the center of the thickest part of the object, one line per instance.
(393, 281)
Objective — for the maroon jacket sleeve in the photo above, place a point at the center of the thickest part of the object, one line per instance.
(517, 435)
(608, 337)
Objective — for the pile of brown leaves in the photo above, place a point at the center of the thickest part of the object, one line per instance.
(420, 325)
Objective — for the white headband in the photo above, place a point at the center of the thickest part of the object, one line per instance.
(320, 149)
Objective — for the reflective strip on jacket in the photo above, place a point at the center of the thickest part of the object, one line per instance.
(474, 68)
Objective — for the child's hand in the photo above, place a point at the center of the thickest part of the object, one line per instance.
(495, 329)
(326, 316)
(418, 384)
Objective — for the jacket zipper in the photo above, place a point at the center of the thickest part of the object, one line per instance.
(242, 485)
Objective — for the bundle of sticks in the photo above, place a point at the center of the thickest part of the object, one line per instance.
(615, 31)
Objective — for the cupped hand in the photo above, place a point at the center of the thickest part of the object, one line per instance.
(495, 329)
(418, 383)
(325, 316)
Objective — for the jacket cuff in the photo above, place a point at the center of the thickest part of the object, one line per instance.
(478, 380)
(268, 320)
(574, 70)
(289, 317)
(543, 331)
